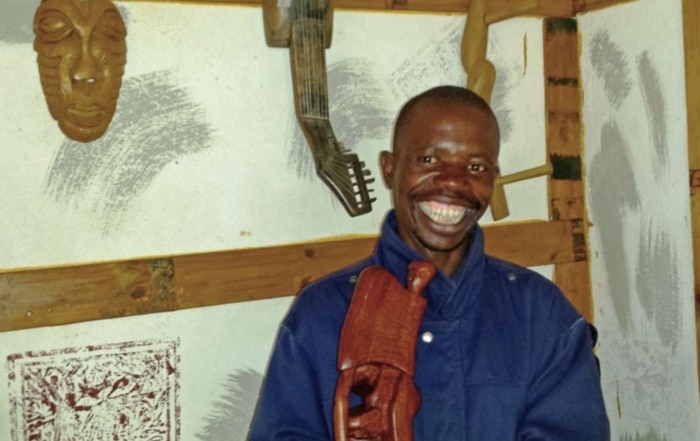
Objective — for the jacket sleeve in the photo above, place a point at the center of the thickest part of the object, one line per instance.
(291, 406)
(565, 401)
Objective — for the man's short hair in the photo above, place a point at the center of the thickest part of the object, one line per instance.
(442, 95)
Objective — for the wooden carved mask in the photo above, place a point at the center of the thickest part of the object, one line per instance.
(81, 52)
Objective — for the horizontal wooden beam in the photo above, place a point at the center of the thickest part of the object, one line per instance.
(582, 6)
(539, 8)
(62, 295)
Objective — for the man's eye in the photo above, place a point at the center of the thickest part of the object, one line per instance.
(427, 159)
(477, 168)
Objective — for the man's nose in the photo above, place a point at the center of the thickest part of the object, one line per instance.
(452, 176)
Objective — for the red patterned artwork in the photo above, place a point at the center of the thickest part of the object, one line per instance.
(125, 391)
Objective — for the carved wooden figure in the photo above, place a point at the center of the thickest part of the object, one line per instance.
(376, 356)
(81, 52)
(305, 26)
(482, 76)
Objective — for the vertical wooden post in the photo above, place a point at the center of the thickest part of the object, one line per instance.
(564, 148)
(691, 36)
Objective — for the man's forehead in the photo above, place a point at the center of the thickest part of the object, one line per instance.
(429, 112)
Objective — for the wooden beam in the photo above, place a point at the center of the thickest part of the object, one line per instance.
(565, 147)
(691, 36)
(581, 6)
(538, 8)
(62, 295)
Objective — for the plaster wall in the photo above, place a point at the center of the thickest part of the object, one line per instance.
(641, 256)
(204, 154)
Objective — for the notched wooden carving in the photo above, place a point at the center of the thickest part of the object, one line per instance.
(81, 53)
(376, 356)
(482, 75)
(305, 26)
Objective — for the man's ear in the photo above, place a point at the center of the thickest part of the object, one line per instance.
(386, 162)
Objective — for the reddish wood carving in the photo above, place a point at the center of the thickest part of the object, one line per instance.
(376, 356)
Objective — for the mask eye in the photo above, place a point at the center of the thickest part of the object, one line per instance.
(52, 26)
(111, 26)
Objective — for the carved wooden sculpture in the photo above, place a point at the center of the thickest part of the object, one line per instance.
(81, 52)
(482, 76)
(305, 26)
(376, 356)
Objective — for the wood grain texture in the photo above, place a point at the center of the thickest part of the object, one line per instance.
(565, 146)
(55, 296)
(593, 5)
(540, 8)
(691, 36)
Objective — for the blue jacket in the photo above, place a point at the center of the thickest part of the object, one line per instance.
(510, 358)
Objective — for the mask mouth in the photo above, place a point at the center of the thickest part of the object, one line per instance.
(85, 115)
(443, 213)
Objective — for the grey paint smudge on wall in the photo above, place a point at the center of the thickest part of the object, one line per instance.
(156, 125)
(613, 192)
(438, 62)
(16, 17)
(658, 281)
(231, 415)
(656, 111)
(358, 111)
(610, 64)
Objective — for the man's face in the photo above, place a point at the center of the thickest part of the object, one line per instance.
(81, 52)
(441, 174)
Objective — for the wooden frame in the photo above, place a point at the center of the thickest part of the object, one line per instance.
(55, 296)
(691, 35)
(539, 8)
(563, 107)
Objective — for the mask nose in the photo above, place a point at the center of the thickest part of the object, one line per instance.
(86, 74)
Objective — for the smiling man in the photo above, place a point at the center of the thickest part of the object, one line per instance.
(441, 172)
(501, 354)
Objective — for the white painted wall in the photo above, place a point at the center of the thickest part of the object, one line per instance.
(203, 154)
(641, 255)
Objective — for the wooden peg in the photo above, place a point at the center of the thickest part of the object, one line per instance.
(499, 205)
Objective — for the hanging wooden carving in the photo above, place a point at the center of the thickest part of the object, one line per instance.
(482, 76)
(81, 53)
(376, 356)
(305, 27)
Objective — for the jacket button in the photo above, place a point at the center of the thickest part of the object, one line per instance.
(427, 337)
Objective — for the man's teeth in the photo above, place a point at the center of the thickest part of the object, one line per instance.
(442, 213)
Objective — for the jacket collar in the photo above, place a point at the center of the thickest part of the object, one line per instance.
(446, 295)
